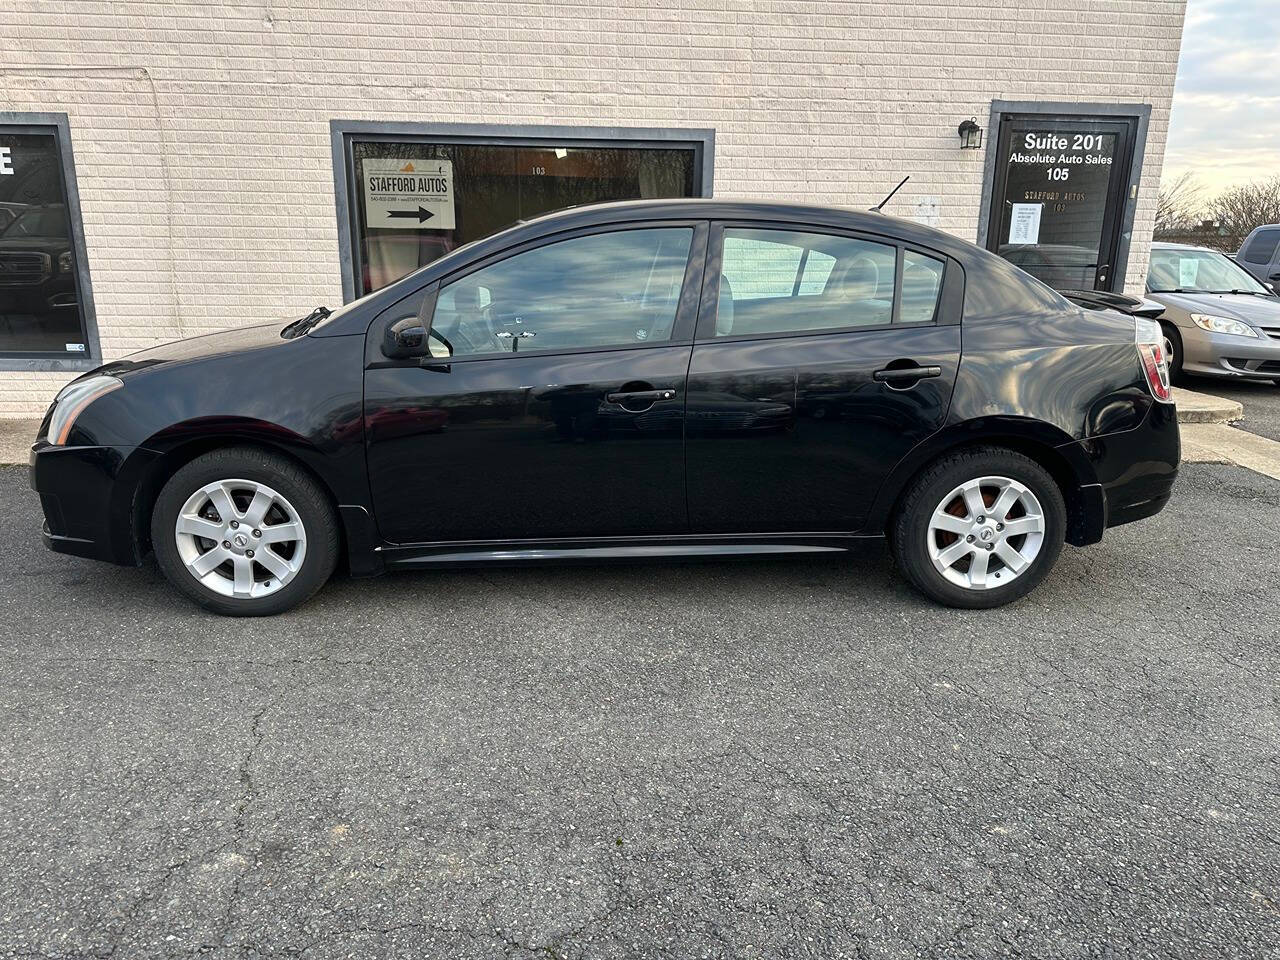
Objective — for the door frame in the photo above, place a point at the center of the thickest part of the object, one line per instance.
(1068, 110)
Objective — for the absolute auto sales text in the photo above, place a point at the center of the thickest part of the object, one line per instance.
(1071, 150)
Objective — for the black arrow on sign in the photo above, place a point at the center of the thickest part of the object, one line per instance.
(423, 214)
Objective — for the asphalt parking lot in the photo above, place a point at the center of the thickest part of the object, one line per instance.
(763, 759)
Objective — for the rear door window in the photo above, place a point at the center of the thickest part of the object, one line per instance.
(777, 281)
(768, 286)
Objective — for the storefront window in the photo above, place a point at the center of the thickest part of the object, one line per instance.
(414, 200)
(41, 307)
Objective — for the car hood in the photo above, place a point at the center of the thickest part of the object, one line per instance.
(34, 244)
(222, 343)
(1256, 310)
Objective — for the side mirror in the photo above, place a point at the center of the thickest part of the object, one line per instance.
(406, 339)
(409, 337)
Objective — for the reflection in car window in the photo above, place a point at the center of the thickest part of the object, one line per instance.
(1199, 271)
(767, 286)
(921, 283)
(602, 290)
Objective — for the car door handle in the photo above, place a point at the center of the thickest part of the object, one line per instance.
(640, 396)
(892, 375)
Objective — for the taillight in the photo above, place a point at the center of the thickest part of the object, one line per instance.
(1149, 339)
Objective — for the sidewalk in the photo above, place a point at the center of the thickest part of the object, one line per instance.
(1205, 436)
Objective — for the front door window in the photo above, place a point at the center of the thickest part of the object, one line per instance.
(602, 290)
(1059, 197)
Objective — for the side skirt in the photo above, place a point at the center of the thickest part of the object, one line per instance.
(612, 549)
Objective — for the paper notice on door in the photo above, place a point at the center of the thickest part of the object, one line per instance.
(1188, 270)
(1024, 226)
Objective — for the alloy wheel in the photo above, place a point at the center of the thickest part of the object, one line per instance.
(240, 538)
(986, 533)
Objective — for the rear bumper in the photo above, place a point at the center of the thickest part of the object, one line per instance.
(1136, 470)
(87, 497)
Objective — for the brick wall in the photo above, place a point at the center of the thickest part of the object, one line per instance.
(201, 130)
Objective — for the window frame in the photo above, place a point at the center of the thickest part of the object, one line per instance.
(946, 311)
(58, 124)
(344, 133)
(681, 332)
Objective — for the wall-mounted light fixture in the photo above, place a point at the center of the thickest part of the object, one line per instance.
(970, 134)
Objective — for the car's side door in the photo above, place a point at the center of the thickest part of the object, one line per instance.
(554, 407)
(821, 359)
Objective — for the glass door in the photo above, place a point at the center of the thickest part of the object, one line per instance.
(1058, 197)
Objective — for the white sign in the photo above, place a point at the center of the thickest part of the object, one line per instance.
(408, 194)
(6, 161)
(1188, 270)
(1024, 226)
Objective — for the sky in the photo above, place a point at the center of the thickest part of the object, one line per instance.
(1225, 125)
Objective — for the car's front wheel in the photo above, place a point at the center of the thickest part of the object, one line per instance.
(979, 528)
(244, 532)
(1173, 351)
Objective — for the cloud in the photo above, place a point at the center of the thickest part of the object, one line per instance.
(1225, 125)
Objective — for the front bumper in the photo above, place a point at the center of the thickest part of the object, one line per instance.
(87, 494)
(1222, 355)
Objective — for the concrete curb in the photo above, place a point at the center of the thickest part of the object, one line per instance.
(1202, 408)
(16, 437)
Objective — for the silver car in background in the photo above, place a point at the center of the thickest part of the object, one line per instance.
(1218, 320)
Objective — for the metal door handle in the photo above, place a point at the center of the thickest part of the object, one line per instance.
(653, 396)
(901, 374)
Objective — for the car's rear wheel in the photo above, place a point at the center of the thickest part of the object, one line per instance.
(244, 532)
(979, 528)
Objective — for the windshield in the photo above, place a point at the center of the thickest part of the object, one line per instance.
(1198, 271)
(43, 224)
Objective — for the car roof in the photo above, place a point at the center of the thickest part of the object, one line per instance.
(708, 208)
(1000, 287)
(1166, 245)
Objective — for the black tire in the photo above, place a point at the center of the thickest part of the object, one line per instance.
(1176, 376)
(306, 497)
(909, 529)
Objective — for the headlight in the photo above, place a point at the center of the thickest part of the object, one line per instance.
(1222, 325)
(64, 262)
(72, 399)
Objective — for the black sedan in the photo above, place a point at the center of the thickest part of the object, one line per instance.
(657, 378)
